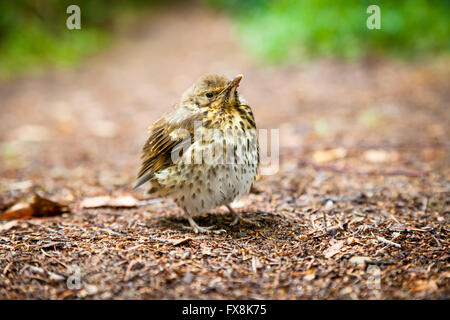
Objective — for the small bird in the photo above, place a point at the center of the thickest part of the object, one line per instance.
(204, 152)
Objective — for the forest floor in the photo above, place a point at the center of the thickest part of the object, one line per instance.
(359, 208)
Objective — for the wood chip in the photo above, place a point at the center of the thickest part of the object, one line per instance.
(329, 155)
(107, 201)
(181, 241)
(334, 249)
(8, 225)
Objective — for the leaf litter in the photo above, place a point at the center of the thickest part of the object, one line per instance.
(359, 208)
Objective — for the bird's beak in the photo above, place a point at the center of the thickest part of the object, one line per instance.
(233, 84)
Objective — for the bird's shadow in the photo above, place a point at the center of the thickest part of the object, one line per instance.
(257, 221)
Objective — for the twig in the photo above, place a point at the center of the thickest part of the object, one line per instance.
(5, 271)
(134, 247)
(114, 233)
(394, 218)
(128, 273)
(426, 205)
(328, 230)
(324, 219)
(52, 257)
(381, 239)
(437, 241)
(380, 262)
(254, 265)
(407, 229)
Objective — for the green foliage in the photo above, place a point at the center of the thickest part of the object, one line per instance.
(33, 33)
(289, 30)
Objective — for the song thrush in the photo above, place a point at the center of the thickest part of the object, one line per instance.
(204, 152)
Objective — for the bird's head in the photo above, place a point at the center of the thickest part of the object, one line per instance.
(213, 91)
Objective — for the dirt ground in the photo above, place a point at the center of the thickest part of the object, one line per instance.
(359, 208)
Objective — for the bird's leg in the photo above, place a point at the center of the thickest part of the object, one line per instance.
(237, 217)
(196, 228)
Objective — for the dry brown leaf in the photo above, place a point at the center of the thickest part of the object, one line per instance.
(107, 201)
(37, 207)
(425, 285)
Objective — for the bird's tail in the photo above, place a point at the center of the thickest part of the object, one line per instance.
(143, 179)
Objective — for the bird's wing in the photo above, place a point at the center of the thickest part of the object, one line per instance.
(166, 138)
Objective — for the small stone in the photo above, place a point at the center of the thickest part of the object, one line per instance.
(188, 277)
(186, 255)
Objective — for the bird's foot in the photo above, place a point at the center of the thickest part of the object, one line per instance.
(196, 228)
(238, 218)
(248, 221)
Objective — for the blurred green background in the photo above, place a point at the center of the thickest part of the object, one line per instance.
(33, 33)
(289, 30)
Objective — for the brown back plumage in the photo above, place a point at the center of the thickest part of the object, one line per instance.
(168, 134)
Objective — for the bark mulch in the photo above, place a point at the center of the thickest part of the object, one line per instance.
(359, 208)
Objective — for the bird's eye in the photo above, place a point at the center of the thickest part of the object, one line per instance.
(209, 95)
